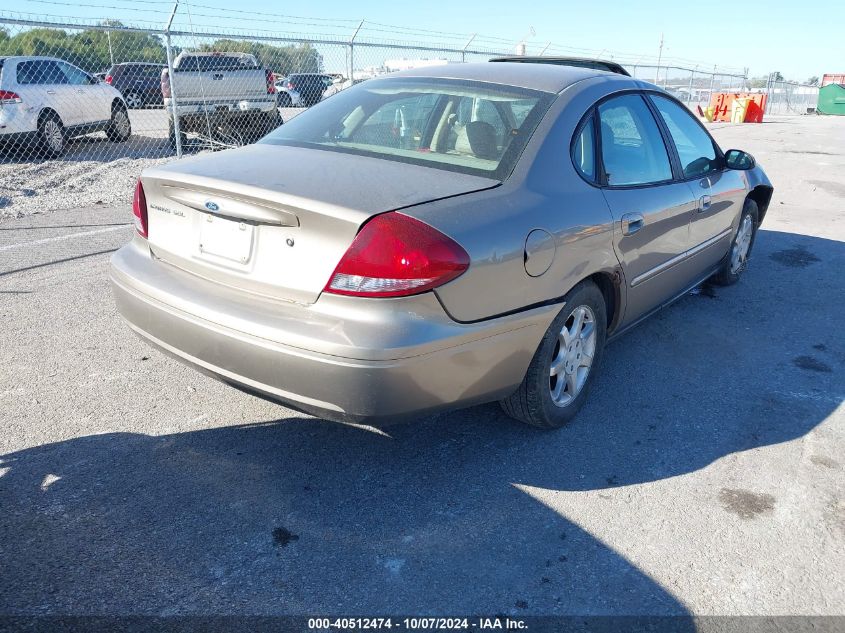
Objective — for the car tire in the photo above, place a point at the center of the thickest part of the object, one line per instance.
(565, 364)
(52, 138)
(134, 101)
(171, 135)
(119, 129)
(736, 260)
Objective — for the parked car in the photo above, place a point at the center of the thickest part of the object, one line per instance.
(485, 230)
(341, 84)
(228, 94)
(45, 101)
(138, 82)
(309, 86)
(286, 97)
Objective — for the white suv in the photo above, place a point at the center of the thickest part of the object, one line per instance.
(47, 100)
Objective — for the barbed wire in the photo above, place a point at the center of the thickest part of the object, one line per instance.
(342, 28)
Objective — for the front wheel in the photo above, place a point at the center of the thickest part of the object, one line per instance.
(119, 129)
(736, 261)
(565, 364)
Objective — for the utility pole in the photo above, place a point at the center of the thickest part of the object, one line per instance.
(659, 57)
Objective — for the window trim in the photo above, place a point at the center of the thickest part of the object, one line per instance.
(666, 142)
(589, 117)
(600, 181)
(720, 156)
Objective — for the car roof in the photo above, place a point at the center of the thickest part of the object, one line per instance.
(139, 64)
(544, 77)
(581, 62)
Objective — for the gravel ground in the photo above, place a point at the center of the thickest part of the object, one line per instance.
(705, 475)
(93, 172)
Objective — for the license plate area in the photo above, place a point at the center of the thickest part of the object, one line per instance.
(225, 241)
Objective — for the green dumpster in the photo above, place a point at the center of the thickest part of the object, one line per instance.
(832, 99)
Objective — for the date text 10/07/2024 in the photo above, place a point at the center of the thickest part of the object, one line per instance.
(417, 624)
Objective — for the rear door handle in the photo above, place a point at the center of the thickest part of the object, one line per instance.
(51, 92)
(632, 222)
(704, 203)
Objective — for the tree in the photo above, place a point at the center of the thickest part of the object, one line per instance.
(282, 60)
(813, 81)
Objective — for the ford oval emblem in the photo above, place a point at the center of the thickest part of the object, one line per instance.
(212, 206)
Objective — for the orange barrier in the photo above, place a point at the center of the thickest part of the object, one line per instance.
(722, 104)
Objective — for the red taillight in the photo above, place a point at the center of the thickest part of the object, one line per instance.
(108, 79)
(7, 96)
(165, 83)
(271, 88)
(395, 255)
(139, 209)
(290, 86)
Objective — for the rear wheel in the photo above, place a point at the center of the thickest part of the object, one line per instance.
(564, 366)
(51, 135)
(171, 135)
(736, 260)
(120, 128)
(134, 100)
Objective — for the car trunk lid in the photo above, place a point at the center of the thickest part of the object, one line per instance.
(275, 220)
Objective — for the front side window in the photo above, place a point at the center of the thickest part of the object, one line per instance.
(632, 149)
(465, 126)
(695, 148)
(74, 75)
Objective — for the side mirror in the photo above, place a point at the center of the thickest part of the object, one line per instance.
(737, 159)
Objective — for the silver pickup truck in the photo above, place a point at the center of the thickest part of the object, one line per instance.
(227, 96)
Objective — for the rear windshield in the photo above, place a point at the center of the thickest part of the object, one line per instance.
(217, 62)
(471, 127)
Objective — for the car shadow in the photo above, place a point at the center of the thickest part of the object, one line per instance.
(302, 516)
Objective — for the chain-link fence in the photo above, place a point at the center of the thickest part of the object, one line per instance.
(787, 97)
(85, 106)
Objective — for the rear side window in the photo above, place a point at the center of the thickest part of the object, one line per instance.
(584, 151)
(206, 63)
(632, 148)
(40, 72)
(695, 148)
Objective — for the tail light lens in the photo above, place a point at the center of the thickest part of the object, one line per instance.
(108, 79)
(165, 83)
(271, 88)
(290, 86)
(394, 256)
(139, 209)
(6, 96)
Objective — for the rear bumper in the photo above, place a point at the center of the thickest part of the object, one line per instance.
(224, 108)
(341, 358)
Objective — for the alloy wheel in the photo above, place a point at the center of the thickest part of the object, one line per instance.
(121, 123)
(133, 100)
(53, 135)
(573, 356)
(742, 244)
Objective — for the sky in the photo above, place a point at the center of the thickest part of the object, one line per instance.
(797, 39)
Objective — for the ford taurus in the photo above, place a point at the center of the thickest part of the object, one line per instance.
(438, 238)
